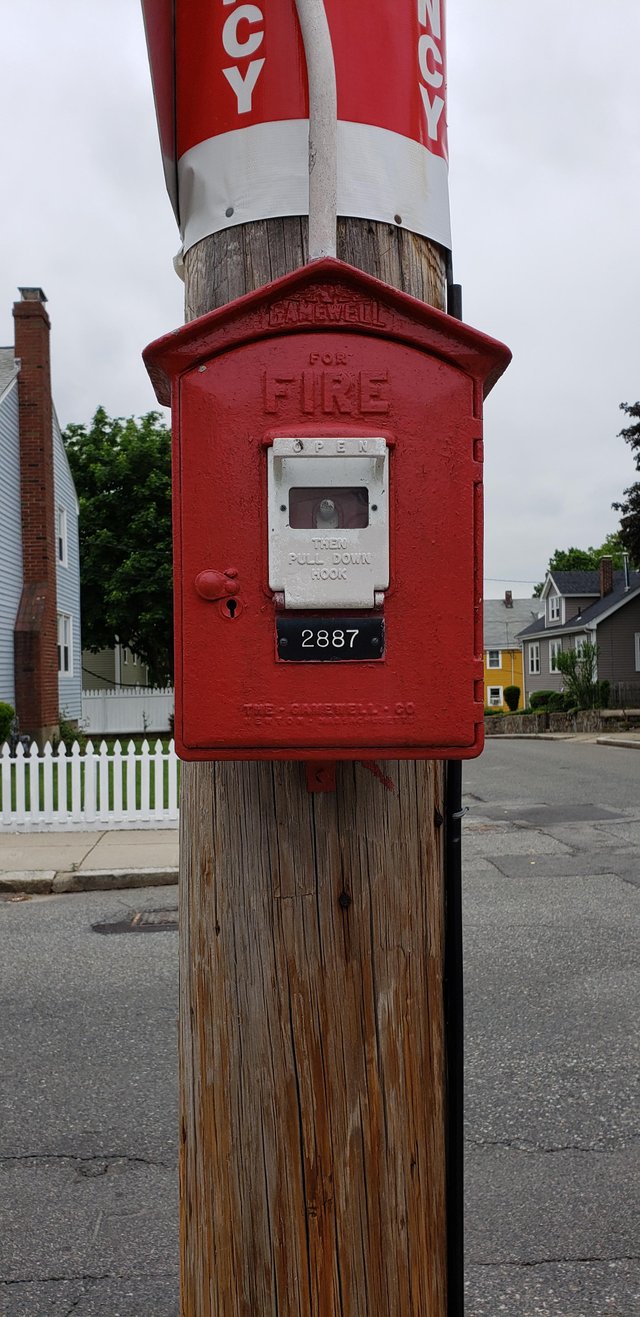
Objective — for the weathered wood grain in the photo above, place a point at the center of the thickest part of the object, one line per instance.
(311, 978)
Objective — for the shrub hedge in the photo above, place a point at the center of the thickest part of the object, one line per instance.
(540, 699)
(7, 715)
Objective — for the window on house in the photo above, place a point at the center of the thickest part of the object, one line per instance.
(65, 644)
(134, 660)
(61, 533)
(580, 642)
(553, 608)
(637, 638)
(125, 654)
(555, 648)
(494, 658)
(495, 697)
(534, 658)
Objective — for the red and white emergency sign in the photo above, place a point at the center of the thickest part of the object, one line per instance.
(230, 85)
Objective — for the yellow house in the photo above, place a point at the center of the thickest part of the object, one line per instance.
(503, 619)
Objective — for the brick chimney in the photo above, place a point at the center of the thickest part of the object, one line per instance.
(606, 575)
(508, 599)
(35, 632)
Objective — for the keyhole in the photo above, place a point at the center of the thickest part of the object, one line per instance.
(232, 604)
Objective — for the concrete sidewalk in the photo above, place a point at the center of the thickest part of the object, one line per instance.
(42, 862)
(46, 862)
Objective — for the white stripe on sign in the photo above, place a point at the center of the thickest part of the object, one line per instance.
(260, 172)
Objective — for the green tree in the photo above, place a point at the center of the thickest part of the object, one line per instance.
(630, 506)
(584, 560)
(122, 472)
(578, 668)
(7, 715)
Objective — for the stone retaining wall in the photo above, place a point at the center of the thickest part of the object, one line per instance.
(589, 720)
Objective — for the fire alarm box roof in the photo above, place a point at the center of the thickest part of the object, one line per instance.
(325, 295)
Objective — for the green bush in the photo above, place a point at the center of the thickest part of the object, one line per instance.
(69, 732)
(512, 697)
(556, 702)
(7, 715)
(493, 713)
(604, 693)
(540, 699)
(578, 668)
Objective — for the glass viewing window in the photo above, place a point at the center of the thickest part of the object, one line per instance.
(327, 508)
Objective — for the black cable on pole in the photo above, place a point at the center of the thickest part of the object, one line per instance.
(454, 990)
(454, 1033)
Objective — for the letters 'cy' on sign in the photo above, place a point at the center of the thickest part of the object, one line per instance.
(230, 85)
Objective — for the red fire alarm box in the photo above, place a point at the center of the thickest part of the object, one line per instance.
(327, 469)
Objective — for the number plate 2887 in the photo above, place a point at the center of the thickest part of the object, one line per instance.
(329, 640)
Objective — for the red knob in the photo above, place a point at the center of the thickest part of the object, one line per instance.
(213, 585)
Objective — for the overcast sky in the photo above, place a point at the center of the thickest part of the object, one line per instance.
(544, 135)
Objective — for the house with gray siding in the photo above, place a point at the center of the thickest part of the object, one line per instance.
(602, 607)
(40, 640)
(110, 669)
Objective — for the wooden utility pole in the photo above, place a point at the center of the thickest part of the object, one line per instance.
(312, 1037)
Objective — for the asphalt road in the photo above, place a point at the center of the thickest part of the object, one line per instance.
(563, 772)
(88, 1199)
(552, 993)
(88, 1102)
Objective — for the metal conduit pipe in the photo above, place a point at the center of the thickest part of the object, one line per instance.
(323, 128)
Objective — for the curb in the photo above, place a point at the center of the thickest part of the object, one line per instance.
(619, 742)
(591, 738)
(47, 882)
(533, 736)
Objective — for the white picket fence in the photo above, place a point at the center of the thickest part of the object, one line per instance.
(108, 787)
(127, 711)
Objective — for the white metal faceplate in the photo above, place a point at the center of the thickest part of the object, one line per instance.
(329, 564)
